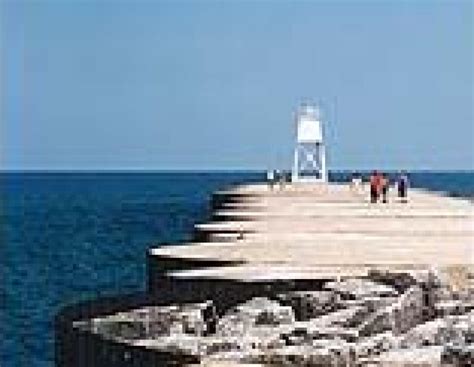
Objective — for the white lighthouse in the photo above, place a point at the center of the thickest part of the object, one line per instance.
(309, 157)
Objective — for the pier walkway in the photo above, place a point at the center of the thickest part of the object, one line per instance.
(321, 231)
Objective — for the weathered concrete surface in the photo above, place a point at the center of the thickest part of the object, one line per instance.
(320, 230)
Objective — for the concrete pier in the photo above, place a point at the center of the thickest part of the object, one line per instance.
(307, 275)
(314, 231)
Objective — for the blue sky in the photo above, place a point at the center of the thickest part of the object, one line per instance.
(213, 84)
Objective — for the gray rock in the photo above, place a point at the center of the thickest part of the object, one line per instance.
(360, 288)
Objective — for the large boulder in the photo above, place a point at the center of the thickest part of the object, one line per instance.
(311, 304)
(256, 312)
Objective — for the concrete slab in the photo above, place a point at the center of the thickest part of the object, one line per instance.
(308, 229)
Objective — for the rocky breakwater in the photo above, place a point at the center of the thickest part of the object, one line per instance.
(385, 319)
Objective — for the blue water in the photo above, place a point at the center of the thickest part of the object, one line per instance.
(67, 237)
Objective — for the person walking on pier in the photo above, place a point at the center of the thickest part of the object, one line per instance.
(375, 188)
(402, 185)
(384, 186)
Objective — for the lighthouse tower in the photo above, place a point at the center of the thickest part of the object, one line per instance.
(310, 156)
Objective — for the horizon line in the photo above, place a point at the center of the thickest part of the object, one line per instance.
(215, 170)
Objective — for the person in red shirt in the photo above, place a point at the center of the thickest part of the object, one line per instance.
(374, 186)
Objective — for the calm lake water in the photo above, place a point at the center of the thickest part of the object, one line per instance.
(67, 237)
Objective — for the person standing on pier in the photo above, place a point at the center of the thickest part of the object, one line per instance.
(282, 180)
(271, 178)
(356, 182)
(276, 177)
(402, 185)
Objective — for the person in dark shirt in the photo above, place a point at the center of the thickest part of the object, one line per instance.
(384, 186)
(402, 185)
